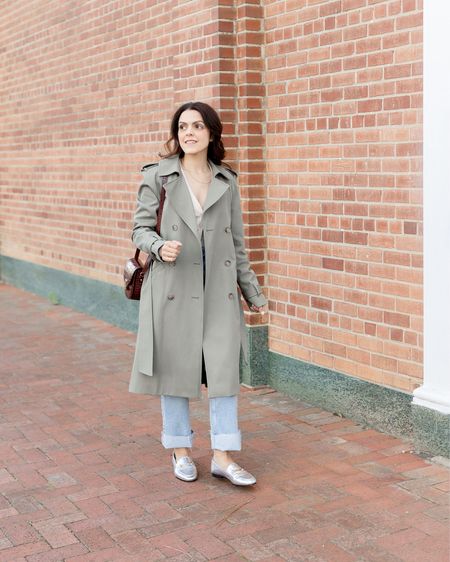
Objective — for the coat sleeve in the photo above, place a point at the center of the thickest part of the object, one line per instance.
(246, 277)
(144, 235)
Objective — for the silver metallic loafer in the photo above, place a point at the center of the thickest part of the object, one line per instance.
(234, 473)
(184, 468)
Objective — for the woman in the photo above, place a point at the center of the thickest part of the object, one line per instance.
(191, 325)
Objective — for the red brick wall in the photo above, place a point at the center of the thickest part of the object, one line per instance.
(321, 102)
(344, 102)
(250, 117)
(87, 93)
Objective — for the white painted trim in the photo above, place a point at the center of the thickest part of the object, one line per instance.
(435, 392)
(431, 400)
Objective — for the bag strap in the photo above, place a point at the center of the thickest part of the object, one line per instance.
(162, 199)
(159, 212)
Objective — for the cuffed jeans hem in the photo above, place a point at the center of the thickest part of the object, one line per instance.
(177, 441)
(226, 441)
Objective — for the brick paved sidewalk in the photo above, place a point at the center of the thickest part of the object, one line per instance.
(83, 476)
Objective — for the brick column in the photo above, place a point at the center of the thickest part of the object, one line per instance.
(250, 110)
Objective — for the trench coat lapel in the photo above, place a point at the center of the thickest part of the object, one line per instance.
(177, 192)
(178, 195)
(217, 188)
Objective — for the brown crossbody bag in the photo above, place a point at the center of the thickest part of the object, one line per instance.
(134, 271)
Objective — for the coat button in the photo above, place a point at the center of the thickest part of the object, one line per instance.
(227, 229)
(228, 263)
(174, 227)
(230, 296)
(170, 297)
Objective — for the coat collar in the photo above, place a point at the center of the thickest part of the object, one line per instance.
(177, 190)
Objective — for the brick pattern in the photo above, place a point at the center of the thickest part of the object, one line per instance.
(88, 91)
(321, 102)
(250, 112)
(344, 104)
(84, 478)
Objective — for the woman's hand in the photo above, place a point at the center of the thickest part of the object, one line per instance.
(170, 250)
(261, 309)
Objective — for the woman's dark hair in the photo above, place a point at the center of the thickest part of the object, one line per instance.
(216, 150)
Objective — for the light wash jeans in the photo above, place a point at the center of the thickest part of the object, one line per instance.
(223, 417)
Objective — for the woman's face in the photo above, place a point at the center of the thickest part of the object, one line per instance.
(193, 134)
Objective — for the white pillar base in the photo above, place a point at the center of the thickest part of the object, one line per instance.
(431, 399)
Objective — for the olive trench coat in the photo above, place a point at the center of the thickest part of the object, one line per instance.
(180, 317)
